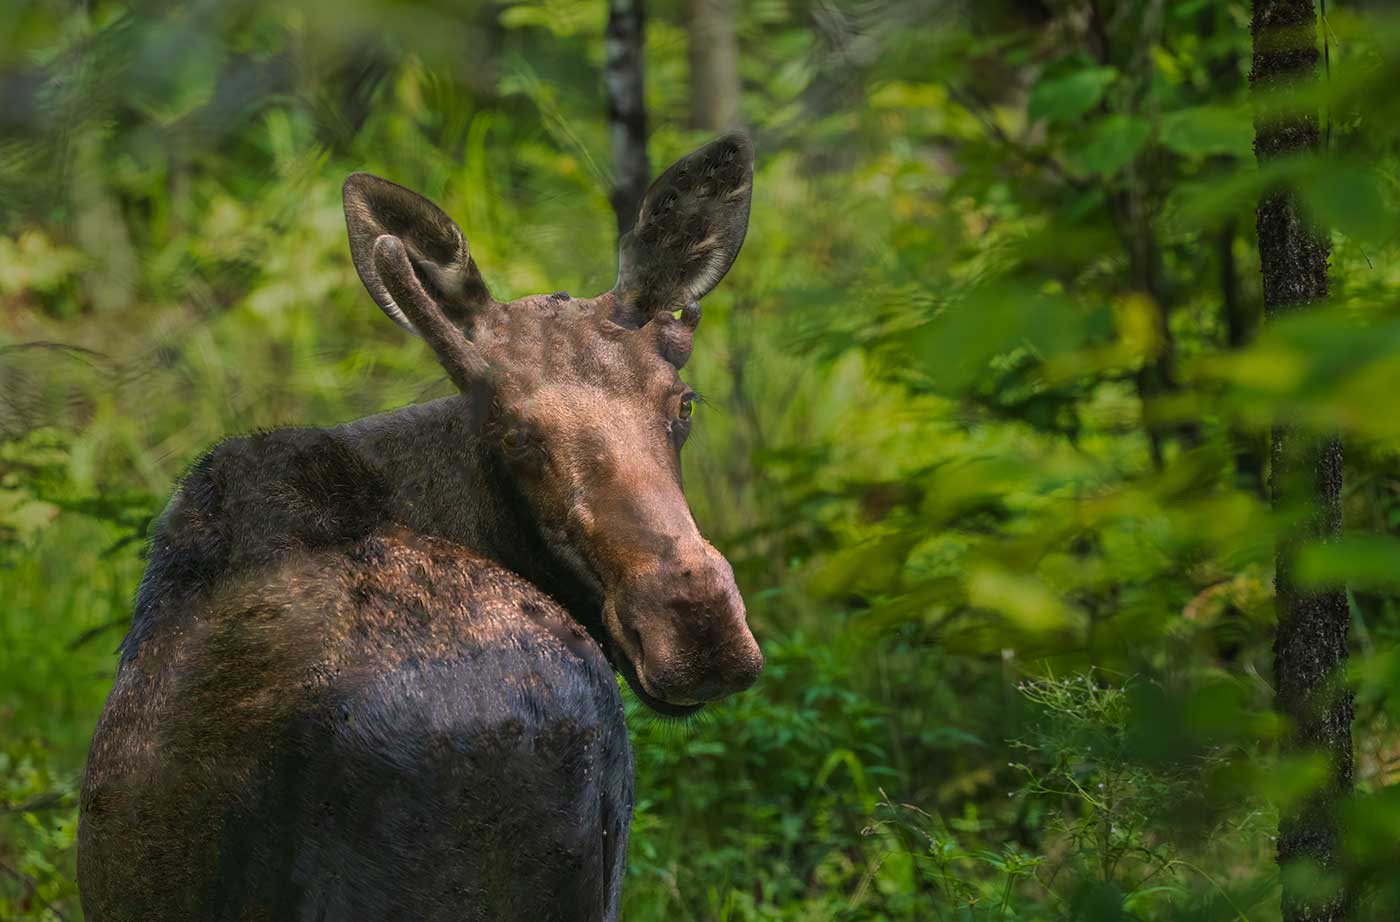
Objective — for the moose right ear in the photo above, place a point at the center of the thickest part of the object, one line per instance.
(692, 223)
(434, 246)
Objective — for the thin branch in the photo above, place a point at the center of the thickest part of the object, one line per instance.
(50, 801)
(94, 632)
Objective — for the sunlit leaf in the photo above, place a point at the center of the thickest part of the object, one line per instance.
(1024, 600)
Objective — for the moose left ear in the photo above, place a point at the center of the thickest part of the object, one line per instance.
(692, 223)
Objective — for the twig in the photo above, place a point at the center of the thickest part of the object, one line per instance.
(98, 631)
(979, 111)
(75, 351)
(42, 802)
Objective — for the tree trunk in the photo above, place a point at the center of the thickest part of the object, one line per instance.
(1305, 483)
(627, 111)
(1241, 320)
(714, 66)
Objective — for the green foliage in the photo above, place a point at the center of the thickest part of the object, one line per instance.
(1097, 750)
(1070, 97)
(42, 801)
(983, 428)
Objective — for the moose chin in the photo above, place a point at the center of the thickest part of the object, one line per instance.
(370, 672)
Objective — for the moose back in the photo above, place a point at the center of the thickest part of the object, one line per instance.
(370, 669)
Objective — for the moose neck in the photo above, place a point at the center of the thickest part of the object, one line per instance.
(446, 480)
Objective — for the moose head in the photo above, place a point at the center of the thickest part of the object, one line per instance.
(587, 409)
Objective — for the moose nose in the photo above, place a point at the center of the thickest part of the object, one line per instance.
(695, 644)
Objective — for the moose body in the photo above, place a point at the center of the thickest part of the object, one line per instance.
(370, 669)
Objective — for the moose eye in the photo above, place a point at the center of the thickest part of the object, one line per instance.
(680, 426)
(523, 446)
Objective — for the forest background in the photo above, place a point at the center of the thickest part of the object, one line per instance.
(987, 402)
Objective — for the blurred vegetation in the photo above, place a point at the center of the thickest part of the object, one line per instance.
(984, 433)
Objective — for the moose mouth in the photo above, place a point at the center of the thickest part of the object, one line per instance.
(624, 656)
(615, 652)
(623, 664)
(621, 642)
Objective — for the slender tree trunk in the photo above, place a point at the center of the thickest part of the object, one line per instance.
(627, 111)
(1135, 221)
(714, 66)
(1241, 321)
(1305, 482)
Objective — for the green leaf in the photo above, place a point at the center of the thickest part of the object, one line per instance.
(1361, 561)
(873, 566)
(956, 346)
(1024, 600)
(1207, 130)
(1067, 98)
(1113, 144)
(1348, 199)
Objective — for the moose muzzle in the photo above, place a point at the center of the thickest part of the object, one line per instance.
(681, 624)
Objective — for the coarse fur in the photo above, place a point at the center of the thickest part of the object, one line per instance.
(370, 672)
(348, 683)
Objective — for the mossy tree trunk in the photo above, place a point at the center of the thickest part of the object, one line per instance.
(1305, 483)
(624, 83)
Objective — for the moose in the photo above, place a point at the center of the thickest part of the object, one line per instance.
(370, 670)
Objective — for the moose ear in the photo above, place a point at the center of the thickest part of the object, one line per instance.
(435, 248)
(692, 223)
